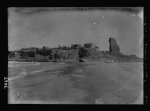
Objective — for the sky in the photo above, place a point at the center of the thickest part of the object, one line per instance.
(69, 27)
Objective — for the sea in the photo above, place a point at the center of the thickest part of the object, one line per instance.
(75, 83)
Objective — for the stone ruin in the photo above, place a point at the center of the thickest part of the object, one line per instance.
(114, 47)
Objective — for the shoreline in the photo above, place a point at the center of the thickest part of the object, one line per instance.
(68, 61)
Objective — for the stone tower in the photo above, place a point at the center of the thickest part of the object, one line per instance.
(113, 48)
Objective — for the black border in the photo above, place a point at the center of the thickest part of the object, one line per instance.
(48, 3)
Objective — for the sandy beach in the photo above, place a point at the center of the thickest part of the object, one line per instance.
(79, 83)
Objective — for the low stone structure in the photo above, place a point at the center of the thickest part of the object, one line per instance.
(65, 54)
(89, 45)
(76, 46)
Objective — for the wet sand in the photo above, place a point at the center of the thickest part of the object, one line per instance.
(76, 83)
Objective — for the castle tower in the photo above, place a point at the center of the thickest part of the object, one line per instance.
(113, 48)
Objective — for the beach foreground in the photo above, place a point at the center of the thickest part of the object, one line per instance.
(75, 83)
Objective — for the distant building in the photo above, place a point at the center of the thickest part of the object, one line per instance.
(96, 48)
(29, 49)
(89, 45)
(63, 54)
(17, 54)
(76, 46)
(34, 49)
(24, 49)
(44, 47)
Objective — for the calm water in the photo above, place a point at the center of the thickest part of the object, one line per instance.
(78, 83)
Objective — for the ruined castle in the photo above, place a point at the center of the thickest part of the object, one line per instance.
(75, 52)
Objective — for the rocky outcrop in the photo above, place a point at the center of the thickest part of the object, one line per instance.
(114, 48)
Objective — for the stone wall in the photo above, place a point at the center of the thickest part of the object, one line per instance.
(89, 45)
(66, 54)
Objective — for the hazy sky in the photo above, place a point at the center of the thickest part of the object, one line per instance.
(64, 28)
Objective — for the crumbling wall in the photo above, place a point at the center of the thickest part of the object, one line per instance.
(114, 48)
(67, 54)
